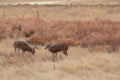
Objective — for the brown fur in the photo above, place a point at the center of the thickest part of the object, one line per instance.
(23, 46)
(57, 48)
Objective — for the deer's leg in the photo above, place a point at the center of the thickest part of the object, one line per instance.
(54, 60)
(15, 50)
(18, 51)
(55, 56)
(23, 53)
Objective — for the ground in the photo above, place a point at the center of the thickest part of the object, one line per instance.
(80, 64)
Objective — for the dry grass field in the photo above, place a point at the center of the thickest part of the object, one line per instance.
(70, 12)
(80, 64)
(91, 28)
(61, 12)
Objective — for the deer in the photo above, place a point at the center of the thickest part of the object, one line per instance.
(54, 49)
(57, 48)
(24, 47)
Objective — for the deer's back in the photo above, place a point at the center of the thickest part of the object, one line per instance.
(20, 44)
(58, 47)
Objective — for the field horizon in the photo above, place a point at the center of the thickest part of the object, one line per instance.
(67, 1)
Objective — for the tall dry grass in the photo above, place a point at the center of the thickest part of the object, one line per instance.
(77, 12)
(79, 65)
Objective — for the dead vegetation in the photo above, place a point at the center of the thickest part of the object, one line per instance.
(101, 34)
(79, 64)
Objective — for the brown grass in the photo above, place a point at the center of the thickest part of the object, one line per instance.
(79, 65)
(61, 12)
